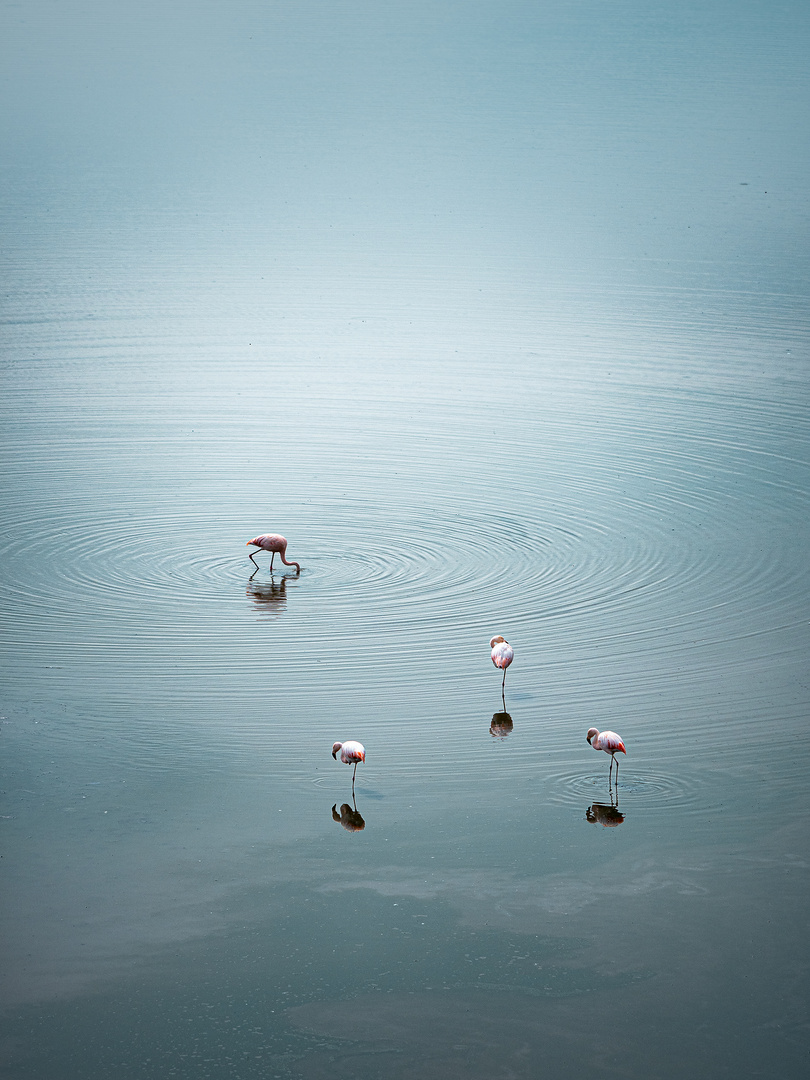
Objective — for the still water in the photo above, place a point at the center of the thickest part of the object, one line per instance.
(498, 313)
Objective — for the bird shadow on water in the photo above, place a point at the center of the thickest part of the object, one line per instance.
(269, 597)
(607, 814)
(501, 725)
(349, 817)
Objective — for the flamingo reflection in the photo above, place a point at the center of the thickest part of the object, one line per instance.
(501, 725)
(269, 597)
(349, 817)
(606, 814)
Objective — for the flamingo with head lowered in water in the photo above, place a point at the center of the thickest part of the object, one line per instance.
(274, 543)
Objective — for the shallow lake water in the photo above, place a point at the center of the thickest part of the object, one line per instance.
(498, 312)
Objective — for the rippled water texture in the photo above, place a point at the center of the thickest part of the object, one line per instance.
(498, 313)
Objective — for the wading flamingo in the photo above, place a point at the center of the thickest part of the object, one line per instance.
(350, 752)
(608, 741)
(271, 542)
(502, 655)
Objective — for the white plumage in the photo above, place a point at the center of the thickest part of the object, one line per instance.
(351, 753)
(502, 654)
(608, 741)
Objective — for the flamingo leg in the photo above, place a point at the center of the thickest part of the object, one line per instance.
(273, 555)
(503, 681)
(353, 776)
(250, 556)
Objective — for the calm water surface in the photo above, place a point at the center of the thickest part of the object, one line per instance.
(498, 312)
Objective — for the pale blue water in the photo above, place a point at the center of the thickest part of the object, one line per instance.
(498, 312)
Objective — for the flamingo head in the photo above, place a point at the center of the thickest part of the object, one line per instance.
(592, 733)
(497, 640)
(336, 747)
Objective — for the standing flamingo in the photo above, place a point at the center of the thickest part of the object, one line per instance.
(271, 542)
(608, 741)
(502, 655)
(350, 752)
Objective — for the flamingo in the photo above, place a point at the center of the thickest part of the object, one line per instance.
(271, 542)
(350, 752)
(502, 655)
(608, 741)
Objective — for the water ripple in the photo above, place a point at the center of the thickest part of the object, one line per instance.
(648, 791)
(615, 548)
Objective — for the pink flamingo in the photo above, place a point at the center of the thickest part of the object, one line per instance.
(350, 752)
(271, 542)
(502, 655)
(608, 741)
